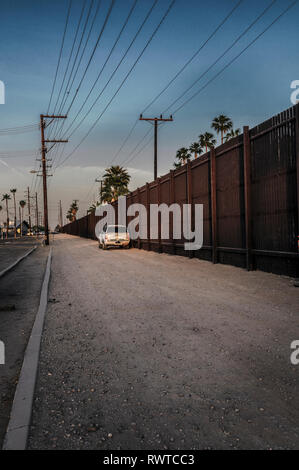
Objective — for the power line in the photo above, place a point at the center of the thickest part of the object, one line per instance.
(70, 56)
(127, 161)
(223, 54)
(123, 81)
(93, 52)
(105, 63)
(125, 140)
(178, 74)
(88, 64)
(86, 42)
(60, 53)
(90, 59)
(19, 130)
(53, 131)
(216, 75)
(193, 56)
(67, 89)
(237, 56)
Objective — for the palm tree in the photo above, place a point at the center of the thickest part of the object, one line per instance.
(207, 140)
(6, 198)
(115, 184)
(222, 124)
(183, 156)
(13, 191)
(72, 212)
(22, 205)
(196, 149)
(232, 134)
(93, 207)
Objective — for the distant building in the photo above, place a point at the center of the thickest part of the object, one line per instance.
(25, 228)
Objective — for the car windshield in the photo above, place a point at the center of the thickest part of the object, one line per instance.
(116, 229)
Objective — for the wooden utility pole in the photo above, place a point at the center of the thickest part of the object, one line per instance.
(60, 214)
(155, 121)
(36, 212)
(29, 213)
(44, 167)
(21, 222)
(101, 190)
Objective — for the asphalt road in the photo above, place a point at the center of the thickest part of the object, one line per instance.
(11, 250)
(150, 351)
(19, 300)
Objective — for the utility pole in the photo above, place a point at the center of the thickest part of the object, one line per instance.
(29, 213)
(36, 212)
(60, 214)
(155, 121)
(21, 222)
(44, 167)
(101, 190)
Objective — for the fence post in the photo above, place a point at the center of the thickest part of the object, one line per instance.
(138, 199)
(189, 199)
(159, 215)
(213, 204)
(148, 216)
(297, 168)
(247, 194)
(172, 201)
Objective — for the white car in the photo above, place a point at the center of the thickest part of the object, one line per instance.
(114, 235)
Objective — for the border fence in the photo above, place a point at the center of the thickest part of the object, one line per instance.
(249, 188)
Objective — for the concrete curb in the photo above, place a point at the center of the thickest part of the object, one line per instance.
(6, 270)
(20, 417)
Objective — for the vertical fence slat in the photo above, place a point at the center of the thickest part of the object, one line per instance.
(213, 204)
(247, 196)
(138, 199)
(189, 199)
(297, 168)
(159, 216)
(172, 201)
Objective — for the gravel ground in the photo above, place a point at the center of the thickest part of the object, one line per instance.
(19, 300)
(150, 351)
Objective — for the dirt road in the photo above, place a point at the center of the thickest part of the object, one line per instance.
(149, 351)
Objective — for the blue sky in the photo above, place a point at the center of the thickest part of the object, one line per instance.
(254, 88)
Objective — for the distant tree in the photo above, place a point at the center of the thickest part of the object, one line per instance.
(183, 156)
(93, 207)
(207, 140)
(115, 183)
(6, 198)
(72, 212)
(232, 134)
(196, 149)
(222, 124)
(22, 204)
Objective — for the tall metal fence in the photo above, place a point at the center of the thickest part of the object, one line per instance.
(249, 188)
